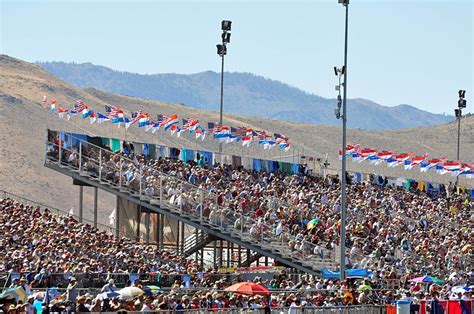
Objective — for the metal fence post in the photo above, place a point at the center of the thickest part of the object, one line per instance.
(241, 223)
(161, 190)
(60, 150)
(140, 183)
(100, 165)
(120, 172)
(80, 156)
(201, 201)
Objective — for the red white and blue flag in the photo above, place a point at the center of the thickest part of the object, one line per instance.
(170, 121)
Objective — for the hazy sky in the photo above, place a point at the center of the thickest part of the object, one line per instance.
(416, 52)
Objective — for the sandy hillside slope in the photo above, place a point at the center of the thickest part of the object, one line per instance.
(23, 124)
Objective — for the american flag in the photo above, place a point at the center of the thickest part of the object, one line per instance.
(260, 135)
(240, 131)
(112, 111)
(283, 137)
(137, 114)
(161, 118)
(79, 106)
(214, 127)
(190, 123)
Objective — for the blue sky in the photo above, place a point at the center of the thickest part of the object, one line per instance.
(415, 52)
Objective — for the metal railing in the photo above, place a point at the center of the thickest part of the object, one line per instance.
(258, 309)
(179, 196)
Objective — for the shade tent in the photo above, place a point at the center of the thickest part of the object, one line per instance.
(350, 273)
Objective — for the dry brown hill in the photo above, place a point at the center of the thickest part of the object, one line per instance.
(23, 124)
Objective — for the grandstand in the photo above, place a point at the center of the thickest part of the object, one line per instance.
(194, 227)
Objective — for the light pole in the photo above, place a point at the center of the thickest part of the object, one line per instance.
(340, 72)
(458, 113)
(222, 51)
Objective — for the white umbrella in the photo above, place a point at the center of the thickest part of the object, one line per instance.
(459, 289)
(130, 292)
(108, 295)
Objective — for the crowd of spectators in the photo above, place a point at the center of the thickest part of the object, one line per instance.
(390, 230)
(397, 234)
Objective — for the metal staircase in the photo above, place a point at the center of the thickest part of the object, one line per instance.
(219, 223)
(197, 241)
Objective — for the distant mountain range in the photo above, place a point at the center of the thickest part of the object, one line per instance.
(245, 94)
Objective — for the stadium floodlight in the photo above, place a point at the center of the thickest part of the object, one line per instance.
(226, 37)
(458, 113)
(462, 103)
(222, 51)
(226, 25)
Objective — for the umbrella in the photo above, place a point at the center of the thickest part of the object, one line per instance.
(312, 223)
(130, 292)
(108, 295)
(248, 288)
(427, 279)
(150, 290)
(459, 289)
(364, 287)
(17, 293)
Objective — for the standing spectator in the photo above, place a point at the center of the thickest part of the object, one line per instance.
(71, 290)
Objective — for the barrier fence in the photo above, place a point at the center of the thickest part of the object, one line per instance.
(363, 309)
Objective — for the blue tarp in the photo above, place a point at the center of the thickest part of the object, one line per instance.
(272, 165)
(295, 168)
(356, 272)
(208, 158)
(357, 177)
(257, 165)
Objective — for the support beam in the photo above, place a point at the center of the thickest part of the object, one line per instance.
(202, 257)
(239, 256)
(138, 217)
(182, 237)
(160, 229)
(221, 253)
(215, 252)
(147, 226)
(177, 236)
(81, 204)
(96, 192)
(117, 217)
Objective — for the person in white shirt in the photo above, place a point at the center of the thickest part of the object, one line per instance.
(109, 287)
